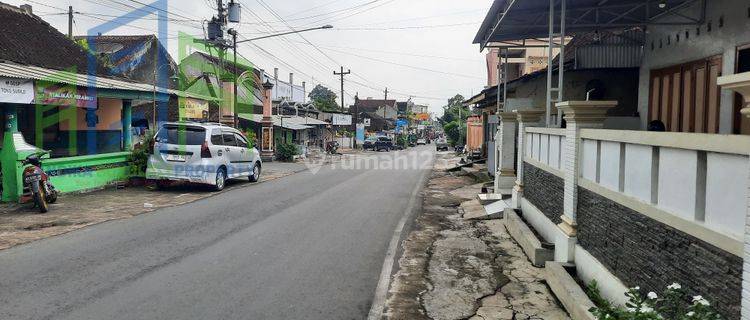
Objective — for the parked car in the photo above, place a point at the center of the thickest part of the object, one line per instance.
(383, 143)
(206, 153)
(369, 144)
(441, 144)
(421, 141)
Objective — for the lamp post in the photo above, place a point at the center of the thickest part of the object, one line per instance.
(235, 42)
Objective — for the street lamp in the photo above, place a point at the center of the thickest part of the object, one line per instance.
(235, 42)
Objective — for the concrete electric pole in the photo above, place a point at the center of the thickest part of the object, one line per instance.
(342, 74)
(70, 22)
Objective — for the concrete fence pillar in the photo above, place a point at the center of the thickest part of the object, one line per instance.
(740, 83)
(505, 139)
(525, 118)
(577, 115)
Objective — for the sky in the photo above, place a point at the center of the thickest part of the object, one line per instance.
(416, 48)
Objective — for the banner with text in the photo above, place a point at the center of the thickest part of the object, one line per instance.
(16, 91)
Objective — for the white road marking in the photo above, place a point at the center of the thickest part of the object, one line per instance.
(381, 292)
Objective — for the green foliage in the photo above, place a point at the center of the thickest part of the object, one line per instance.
(138, 158)
(346, 133)
(286, 151)
(403, 140)
(252, 139)
(455, 133)
(451, 110)
(324, 99)
(672, 304)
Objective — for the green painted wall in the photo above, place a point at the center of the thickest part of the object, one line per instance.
(88, 172)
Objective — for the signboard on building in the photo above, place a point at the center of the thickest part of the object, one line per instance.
(367, 122)
(402, 123)
(422, 116)
(64, 95)
(339, 119)
(360, 133)
(194, 108)
(16, 91)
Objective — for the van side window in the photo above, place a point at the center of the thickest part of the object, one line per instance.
(216, 139)
(241, 142)
(229, 139)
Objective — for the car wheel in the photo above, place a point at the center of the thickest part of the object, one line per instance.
(255, 175)
(221, 179)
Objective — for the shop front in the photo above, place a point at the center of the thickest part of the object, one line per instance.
(84, 123)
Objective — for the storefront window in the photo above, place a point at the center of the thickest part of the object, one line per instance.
(73, 131)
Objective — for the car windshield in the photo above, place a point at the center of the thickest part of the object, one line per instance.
(183, 135)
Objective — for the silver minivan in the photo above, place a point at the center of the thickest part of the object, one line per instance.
(206, 153)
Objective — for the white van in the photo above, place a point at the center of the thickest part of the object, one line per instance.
(206, 153)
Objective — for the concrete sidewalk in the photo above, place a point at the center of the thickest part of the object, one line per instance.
(21, 223)
(454, 267)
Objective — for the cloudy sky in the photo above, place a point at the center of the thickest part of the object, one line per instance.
(417, 48)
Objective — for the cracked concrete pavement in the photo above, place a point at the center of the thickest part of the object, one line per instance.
(453, 268)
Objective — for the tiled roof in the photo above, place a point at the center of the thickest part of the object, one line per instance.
(369, 105)
(27, 39)
(133, 56)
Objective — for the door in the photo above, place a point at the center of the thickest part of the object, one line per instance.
(232, 155)
(246, 156)
(742, 64)
(685, 97)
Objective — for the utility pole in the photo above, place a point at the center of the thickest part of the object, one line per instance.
(70, 22)
(342, 74)
(386, 93)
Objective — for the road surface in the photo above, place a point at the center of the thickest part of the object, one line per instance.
(308, 246)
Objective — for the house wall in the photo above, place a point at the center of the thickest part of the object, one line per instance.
(721, 40)
(653, 208)
(644, 252)
(619, 84)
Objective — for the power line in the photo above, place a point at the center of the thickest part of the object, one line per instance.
(407, 27)
(396, 53)
(406, 65)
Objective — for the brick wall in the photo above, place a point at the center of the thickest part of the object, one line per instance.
(643, 252)
(544, 190)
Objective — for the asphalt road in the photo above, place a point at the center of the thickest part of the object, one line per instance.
(308, 246)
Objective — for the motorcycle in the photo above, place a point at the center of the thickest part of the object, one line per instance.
(36, 181)
(332, 147)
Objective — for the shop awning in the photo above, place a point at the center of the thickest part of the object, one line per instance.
(19, 71)
(509, 21)
(288, 122)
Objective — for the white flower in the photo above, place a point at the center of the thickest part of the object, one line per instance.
(652, 295)
(701, 301)
(646, 309)
(674, 286)
(636, 288)
(690, 314)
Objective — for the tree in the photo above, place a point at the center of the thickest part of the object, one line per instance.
(324, 99)
(454, 126)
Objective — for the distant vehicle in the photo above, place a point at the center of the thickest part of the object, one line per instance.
(421, 141)
(203, 153)
(369, 144)
(441, 144)
(383, 143)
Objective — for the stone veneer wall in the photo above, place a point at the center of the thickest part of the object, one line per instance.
(544, 190)
(643, 252)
